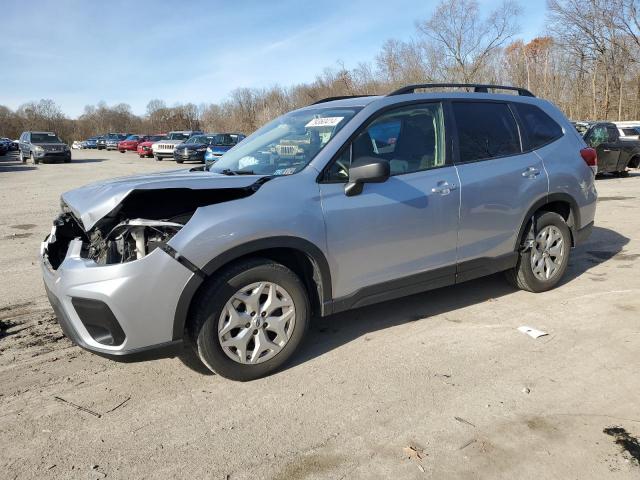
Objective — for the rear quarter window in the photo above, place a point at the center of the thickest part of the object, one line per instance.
(539, 128)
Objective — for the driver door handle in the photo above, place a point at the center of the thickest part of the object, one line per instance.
(444, 188)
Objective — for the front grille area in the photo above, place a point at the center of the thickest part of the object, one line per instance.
(286, 149)
(163, 146)
(52, 148)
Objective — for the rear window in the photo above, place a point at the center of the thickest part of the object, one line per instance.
(485, 130)
(539, 127)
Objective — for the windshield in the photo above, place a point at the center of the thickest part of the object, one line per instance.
(198, 139)
(132, 137)
(177, 136)
(226, 139)
(45, 138)
(287, 144)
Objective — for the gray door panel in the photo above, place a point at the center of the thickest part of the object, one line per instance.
(392, 229)
(495, 196)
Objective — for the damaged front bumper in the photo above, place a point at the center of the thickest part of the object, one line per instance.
(119, 309)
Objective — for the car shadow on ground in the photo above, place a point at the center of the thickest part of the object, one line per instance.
(11, 163)
(328, 333)
(87, 160)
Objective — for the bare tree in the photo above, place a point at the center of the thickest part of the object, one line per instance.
(466, 38)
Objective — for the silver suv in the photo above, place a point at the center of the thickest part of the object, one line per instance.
(344, 203)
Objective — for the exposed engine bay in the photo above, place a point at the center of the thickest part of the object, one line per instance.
(143, 221)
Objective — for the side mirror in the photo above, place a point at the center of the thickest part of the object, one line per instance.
(366, 170)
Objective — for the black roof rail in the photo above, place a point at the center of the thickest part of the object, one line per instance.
(340, 97)
(477, 87)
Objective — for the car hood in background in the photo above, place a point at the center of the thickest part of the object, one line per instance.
(92, 202)
(192, 146)
(220, 148)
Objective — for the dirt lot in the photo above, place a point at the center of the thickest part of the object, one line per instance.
(437, 385)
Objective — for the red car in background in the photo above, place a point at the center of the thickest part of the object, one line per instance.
(144, 147)
(131, 143)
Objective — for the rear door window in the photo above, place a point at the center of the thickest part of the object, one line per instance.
(539, 127)
(486, 130)
(612, 134)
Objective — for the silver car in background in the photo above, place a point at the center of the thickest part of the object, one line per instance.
(341, 204)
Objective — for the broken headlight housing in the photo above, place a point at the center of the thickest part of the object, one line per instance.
(130, 240)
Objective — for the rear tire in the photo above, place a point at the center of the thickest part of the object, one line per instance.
(179, 161)
(541, 266)
(23, 159)
(218, 307)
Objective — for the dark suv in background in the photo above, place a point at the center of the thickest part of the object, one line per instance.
(43, 147)
(614, 154)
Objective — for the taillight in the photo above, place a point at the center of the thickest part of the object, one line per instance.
(590, 157)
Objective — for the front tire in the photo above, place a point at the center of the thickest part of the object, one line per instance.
(249, 319)
(158, 159)
(541, 266)
(34, 160)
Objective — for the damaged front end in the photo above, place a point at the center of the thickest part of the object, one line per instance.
(144, 221)
(126, 241)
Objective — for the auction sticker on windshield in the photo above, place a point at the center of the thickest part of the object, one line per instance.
(324, 122)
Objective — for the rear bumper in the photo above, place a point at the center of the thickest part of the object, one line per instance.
(133, 303)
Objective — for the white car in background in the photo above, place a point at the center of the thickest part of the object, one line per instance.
(76, 145)
(164, 148)
(628, 130)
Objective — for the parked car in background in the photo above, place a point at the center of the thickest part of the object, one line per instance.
(194, 148)
(43, 147)
(628, 130)
(76, 145)
(145, 148)
(101, 142)
(91, 142)
(316, 213)
(222, 143)
(614, 154)
(6, 145)
(131, 143)
(164, 148)
(113, 140)
(11, 145)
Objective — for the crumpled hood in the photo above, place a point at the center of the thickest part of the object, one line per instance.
(92, 202)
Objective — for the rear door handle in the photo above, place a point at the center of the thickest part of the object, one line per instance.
(444, 188)
(531, 172)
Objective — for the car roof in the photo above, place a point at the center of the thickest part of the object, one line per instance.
(363, 101)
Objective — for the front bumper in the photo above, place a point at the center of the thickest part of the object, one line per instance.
(191, 156)
(45, 156)
(140, 297)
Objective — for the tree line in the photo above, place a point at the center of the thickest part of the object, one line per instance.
(586, 62)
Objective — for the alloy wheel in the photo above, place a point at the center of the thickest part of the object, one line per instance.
(547, 253)
(256, 323)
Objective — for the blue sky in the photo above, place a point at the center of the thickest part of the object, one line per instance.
(81, 52)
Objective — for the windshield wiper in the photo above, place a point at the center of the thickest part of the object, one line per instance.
(228, 171)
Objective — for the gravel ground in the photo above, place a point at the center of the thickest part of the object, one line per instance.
(436, 385)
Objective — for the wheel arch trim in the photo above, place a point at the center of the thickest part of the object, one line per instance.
(318, 260)
(574, 213)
